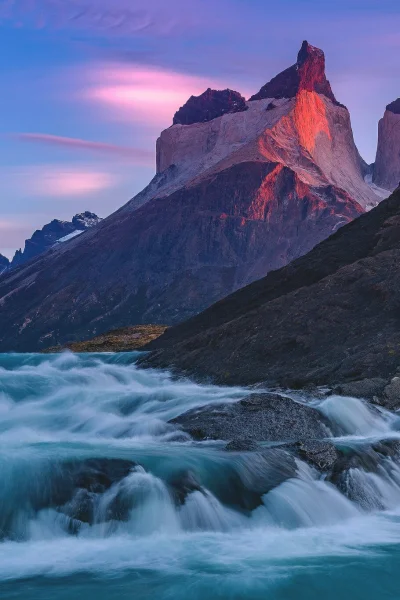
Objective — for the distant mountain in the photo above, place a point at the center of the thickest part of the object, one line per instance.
(241, 188)
(4, 263)
(387, 163)
(332, 316)
(54, 232)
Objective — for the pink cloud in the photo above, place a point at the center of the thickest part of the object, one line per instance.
(58, 181)
(71, 182)
(136, 155)
(140, 93)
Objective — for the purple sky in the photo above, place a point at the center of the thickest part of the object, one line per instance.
(87, 85)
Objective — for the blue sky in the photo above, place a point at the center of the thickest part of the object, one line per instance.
(87, 85)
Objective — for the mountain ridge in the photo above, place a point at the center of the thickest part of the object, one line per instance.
(52, 233)
(234, 197)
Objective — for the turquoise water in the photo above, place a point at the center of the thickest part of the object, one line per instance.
(305, 540)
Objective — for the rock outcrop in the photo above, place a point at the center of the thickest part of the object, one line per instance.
(387, 164)
(329, 317)
(234, 197)
(209, 105)
(308, 74)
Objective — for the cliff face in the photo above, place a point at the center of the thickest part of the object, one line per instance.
(387, 164)
(294, 119)
(236, 195)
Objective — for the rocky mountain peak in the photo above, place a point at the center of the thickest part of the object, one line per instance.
(209, 105)
(308, 73)
(386, 173)
(54, 232)
(85, 220)
(394, 107)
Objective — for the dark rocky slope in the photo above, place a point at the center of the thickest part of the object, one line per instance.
(4, 263)
(329, 317)
(167, 260)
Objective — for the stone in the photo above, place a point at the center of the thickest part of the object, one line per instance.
(320, 454)
(259, 417)
(392, 394)
(369, 388)
(242, 445)
(182, 484)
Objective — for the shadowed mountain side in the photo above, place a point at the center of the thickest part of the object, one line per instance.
(329, 317)
(171, 258)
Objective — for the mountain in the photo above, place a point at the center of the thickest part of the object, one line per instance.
(387, 163)
(241, 188)
(54, 232)
(4, 263)
(329, 317)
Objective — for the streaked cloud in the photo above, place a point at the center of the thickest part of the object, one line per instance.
(119, 17)
(136, 155)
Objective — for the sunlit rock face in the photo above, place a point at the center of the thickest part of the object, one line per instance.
(387, 164)
(241, 188)
(294, 120)
(308, 73)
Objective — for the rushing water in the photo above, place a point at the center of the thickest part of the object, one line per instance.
(304, 539)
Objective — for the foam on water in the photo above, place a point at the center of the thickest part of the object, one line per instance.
(55, 409)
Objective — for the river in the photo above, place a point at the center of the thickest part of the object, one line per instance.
(305, 540)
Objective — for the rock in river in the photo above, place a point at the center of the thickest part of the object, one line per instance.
(260, 417)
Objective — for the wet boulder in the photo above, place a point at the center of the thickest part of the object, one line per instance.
(259, 417)
(242, 445)
(392, 394)
(251, 475)
(182, 484)
(318, 453)
(370, 388)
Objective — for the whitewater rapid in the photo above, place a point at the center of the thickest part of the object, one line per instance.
(303, 539)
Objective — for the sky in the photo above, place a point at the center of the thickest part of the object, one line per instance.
(87, 86)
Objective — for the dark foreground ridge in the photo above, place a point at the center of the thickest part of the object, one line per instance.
(330, 317)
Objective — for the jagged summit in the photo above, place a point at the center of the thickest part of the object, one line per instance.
(394, 107)
(53, 232)
(308, 73)
(209, 105)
